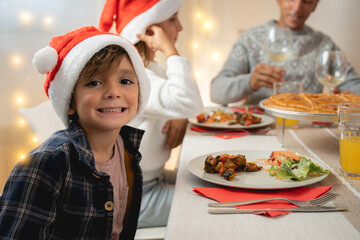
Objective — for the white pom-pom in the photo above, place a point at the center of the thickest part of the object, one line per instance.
(45, 59)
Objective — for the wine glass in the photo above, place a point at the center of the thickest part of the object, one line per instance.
(331, 69)
(278, 43)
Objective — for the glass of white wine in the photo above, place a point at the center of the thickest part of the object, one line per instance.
(331, 69)
(278, 44)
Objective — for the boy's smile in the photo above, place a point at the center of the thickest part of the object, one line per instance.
(109, 102)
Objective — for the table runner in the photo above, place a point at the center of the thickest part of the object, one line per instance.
(322, 144)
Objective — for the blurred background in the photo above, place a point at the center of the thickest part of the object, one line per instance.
(211, 27)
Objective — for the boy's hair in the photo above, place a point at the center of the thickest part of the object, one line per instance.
(104, 62)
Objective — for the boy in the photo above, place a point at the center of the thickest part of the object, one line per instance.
(85, 181)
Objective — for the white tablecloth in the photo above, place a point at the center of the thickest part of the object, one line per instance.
(189, 218)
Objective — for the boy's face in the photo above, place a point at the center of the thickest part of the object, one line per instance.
(107, 103)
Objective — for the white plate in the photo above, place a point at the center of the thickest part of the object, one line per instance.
(250, 180)
(265, 121)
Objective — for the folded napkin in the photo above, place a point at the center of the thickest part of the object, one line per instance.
(234, 195)
(227, 134)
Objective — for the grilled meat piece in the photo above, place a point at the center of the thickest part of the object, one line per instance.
(252, 167)
(229, 174)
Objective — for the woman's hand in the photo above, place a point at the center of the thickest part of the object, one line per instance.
(156, 39)
(175, 130)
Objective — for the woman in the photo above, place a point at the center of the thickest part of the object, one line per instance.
(154, 26)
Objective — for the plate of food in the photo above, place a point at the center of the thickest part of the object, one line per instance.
(306, 106)
(227, 119)
(258, 169)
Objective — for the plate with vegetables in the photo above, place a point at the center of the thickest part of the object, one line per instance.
(269, 169)
(227, 119)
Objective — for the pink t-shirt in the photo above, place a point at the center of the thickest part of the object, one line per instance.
(116, 169)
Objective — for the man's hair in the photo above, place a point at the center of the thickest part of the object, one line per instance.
(104, 62)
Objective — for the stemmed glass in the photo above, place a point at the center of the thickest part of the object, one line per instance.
(278, 44)
(331, 69)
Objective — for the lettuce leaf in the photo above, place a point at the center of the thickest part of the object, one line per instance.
(298, 171)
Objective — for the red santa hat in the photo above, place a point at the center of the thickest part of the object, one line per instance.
(134, 16)
(66, 56)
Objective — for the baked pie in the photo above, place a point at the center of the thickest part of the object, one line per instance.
(309, 102)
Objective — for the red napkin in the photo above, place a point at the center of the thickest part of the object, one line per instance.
(233, 195)
(226, 134)
(255, 109)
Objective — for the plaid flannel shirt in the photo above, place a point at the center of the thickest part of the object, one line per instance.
(56, 193)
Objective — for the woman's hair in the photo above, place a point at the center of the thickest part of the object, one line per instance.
(141, 47)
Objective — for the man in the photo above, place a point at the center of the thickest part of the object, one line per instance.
(249, 74)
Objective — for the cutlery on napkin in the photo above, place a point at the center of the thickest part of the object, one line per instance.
(299, 209)
(235, 194)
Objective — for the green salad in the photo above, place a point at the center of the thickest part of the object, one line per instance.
(296, 170)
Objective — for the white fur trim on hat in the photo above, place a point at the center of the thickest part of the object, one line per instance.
(62, 87)
(45, 59)
(158, 13)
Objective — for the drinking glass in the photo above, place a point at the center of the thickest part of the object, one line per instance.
(330, 69)
(349, 127)
(278, 44)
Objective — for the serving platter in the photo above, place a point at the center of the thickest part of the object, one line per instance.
(315, 117)
(250, 180)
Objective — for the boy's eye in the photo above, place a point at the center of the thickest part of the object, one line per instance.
(93, 83)
(126, 81)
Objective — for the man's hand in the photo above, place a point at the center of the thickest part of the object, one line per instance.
(265, 75)
(175, 130)
(346, 91)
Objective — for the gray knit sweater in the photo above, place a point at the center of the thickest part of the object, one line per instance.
(232, 83)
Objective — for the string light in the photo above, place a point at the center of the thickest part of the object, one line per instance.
(26, 18)
(21, 122)
(35, 140)
(197, 74)
(48, 21)
(195, 45)
(215, 56)
(19, 99)
(207, 25)
(16, 60)
(198, 15)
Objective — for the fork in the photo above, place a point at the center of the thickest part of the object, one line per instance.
(309, 203)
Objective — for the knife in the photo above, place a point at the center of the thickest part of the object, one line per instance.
(299, 209)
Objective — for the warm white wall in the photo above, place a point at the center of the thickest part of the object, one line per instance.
(338, 19)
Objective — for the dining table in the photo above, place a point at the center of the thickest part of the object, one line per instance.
(189, 217)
